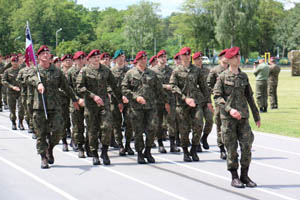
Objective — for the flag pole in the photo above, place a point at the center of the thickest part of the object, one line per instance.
(35, 64)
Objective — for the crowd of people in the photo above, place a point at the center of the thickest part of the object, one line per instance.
(112, 102)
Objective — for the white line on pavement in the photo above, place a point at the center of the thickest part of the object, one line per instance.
(281, 137)
(279, 150)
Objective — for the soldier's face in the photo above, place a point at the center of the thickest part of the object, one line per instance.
(57, 64)
(120, 60)
(80, 61)
(198, 61)
(44, 56)
(94, 60)
(177, 61)
(235, 61)
(68, 62)
(143, 61)
(224, 61)
(162, 59)
(185, 59)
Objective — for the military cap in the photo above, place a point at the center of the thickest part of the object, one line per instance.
(14, 59)
(94, 52)
(104, 55)
(51, 56)
(41, 49)
(153, 58)
(19, 54)
(185, 51)
(230, 53)
(57, 59)
(118, 53)
(140, 54)
(7, 56)
(161, 53)
(176, 56)
(222, 52)
(67, 56)
(134, 61)
(79, 55)
(197, 55)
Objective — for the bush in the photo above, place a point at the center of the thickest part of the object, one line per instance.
(283, 61)
(254, 55)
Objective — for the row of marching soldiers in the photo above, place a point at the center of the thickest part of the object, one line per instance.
(149, 100)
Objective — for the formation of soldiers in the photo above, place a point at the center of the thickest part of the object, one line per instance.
(155, 101)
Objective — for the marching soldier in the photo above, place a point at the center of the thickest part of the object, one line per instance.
(211, 81)
(273, 83)
(153, 61)
(105, 59)
(143, 88)
(2, 69)
(233, 93)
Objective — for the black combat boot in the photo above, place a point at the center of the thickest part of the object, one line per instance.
(161, 148)
(49, 155)
(44, 162)
(236, 182)
(104, 155)
(122, 151)
(1, 108)
(173, 147)
(80, 151)
(65, 144)
(223, 154)
(13, 126)
(204, 141)
(68, 131)
(20, 125)
(148, 155)
(178, 141)
(199, 148)
(141, 158)
(186, 155)
(96, 160)
(261, 110)
(128, 148)
(87, 150)
(74, 145)
(113, 143)
(193, 153)
(245, 178)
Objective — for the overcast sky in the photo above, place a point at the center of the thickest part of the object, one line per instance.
(167, 6)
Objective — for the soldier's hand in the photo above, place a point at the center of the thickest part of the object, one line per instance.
(121, 107)
(235, 114)
(167, 107)
(257, 124)
(210, 107)
(124, 99)
(190, 102)
(98, 100)
(169, 87)
(15, 88)
(81, 102)
(41, 88)
(76, 105)
(141, 100)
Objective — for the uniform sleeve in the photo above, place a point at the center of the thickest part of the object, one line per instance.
(64, 85)
(251, 102)
(211, 80)
(81, 85)
(257, 70)
(113, 87)
(219, 94)
(5, 80)
(204, 88)
(175, 88)
(160, 92)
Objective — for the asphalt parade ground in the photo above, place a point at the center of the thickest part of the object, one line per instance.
(275, 168)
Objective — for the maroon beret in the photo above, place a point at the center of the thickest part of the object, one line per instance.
(232, 52)
(222, 52)
(153, 58)
(185, 51)
(67, 56)
(134, 61)
(14, 59)
(161, 53)
(41, 49)
(140, 54)
(79, 55)
(56, 60)
(104, 55)
(197, 55)
(94, 52)
(176, 56)
(51, 56)
(19, 55)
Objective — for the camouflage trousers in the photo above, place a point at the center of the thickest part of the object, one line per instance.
(234, 132)
(77, 117)
(166, 121)
(117, 123)
(190, 118)
(24, 105)
(99, 120)
(12, 101)
(29, 106)
(261, 93)
(144, 121)
(4, 94)
(1, 103)
(209, 122)
(48, 132)
(65, 103)
(218, 121)
(272, 91)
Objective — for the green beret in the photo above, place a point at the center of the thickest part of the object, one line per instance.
(118, 53)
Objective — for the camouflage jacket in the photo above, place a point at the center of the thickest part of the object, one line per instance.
(72, 75)
(52, 79)
(189, 82)
(95, 82)
(22, 79)
(234, 91)
(213, 75)
(143, 83)
(205, 71)
(164, 75)
(274, 73)
(9, 79)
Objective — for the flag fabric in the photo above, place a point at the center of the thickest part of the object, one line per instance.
(29, 54)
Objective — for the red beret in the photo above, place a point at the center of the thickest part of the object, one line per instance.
(51, 56)
(176, 56)
(153, 58)
(14, 59)
(185, 51)
(79, 55)
(94, 52)
(56, 60)
(104, 55)
(232, 52)
(197, 55)
(140, 54)
(67, 56)
(41, 49)
(223, 52)
(19, 55)
(161, 53)
(134, 61)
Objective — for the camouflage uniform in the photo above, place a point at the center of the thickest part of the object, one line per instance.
(2, 69)
(4, 88)
(262, 73)
(272, 85)
(233, 91)
(9, 80)
(50, 131)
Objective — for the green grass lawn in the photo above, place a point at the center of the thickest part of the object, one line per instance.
(286, 119)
